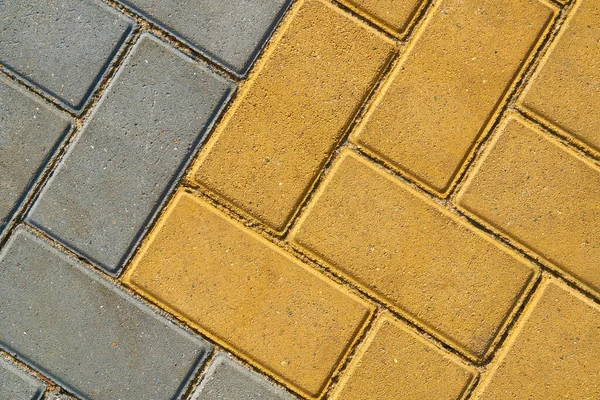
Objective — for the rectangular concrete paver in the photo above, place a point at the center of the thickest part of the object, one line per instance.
(553, 354)
(449, 84)
(395, 363)
(286, 121)
(30, 132)
(412, 254)
(536, 191)
(86, 334)
(391, 15)
(228, 379)
(230, 32)
(62, 46)
(247, 294)
(134, 147)
(16, 384)
(566, 91)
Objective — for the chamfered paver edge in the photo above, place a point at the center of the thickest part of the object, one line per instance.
(18, 383)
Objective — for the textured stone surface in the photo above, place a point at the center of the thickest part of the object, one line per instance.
(567, 89)
(392, 15)
(448, 85)
(16, 384)
(125, 161)
(230, 32)
(395, 363)
(541, 194)
(268, 150)
(86, 334)
(553, 353)
(246, 293)
(29, 133)
(62, 46)
(228, 379)
(413, 254)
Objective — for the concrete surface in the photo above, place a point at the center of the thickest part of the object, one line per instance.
(16, 384)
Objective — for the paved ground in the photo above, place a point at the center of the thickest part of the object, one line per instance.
(284, 199)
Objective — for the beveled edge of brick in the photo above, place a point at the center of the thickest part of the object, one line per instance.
(384, 318)
(162, 317)
(25, 375)
(538, 115)
(534, 271)
(127, 280)
(502, 234)
(488, 374)
(118, 51)
(244, 88)
(453, 180)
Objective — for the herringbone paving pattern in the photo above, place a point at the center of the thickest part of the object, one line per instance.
(353, 199)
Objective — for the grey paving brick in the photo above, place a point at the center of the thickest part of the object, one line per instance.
(92, 338)
(231, 32)
(16, 384)
(30, 132)
(62, 46)
(141, 136)
(226, 379)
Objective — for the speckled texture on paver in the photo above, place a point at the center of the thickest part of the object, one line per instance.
(402, 201)
(16, 384)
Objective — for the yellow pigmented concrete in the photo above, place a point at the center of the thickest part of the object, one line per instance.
(247, 294)
(290, 115)
(395, 363)
(392, 15)
(535, 190)
(413, 254)
(450, 82)
(567, 89)
(553, 353)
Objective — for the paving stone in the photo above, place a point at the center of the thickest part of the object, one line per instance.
(449, 84)
(412, 254)
(129, 155)
(62, 46)
(541, 194)
(247, 294)
(553, 354)
(86, 334)
(227, 379)
(29, 135)
(16, 384)
(230, 32)
(392, 15)
(286, 121)
(395, 363)
(566, 91)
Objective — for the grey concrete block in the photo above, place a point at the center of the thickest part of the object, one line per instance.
(226, 379)
(62, 46)
(231, 32)
(89, 336)
(30, 132)
(58, 396)
(119, 170)
(17, 384)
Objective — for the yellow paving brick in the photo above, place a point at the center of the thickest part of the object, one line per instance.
(391, 15)
(395, 363)
(267, 152)
(247, 294)
(567, 89)
(553, 354)
(542, 194)
(413, 254)
(449, 84)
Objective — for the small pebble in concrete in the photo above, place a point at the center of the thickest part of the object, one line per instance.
(130, 154)
(86, 334)
(228, 379)
(16, 384)
(62, 46)
(30, 131)
(231, 32)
